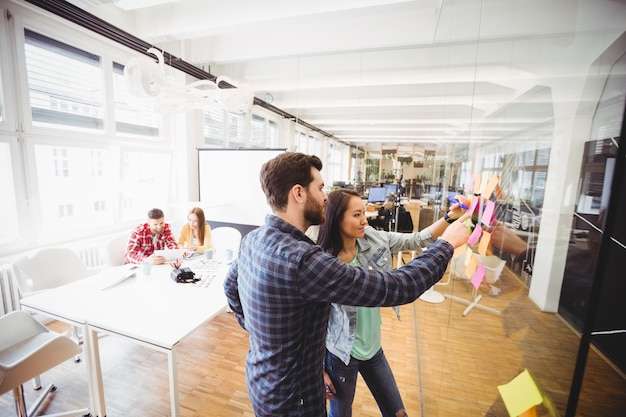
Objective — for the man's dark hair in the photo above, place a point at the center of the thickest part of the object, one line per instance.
(280, 174)
(156, 214)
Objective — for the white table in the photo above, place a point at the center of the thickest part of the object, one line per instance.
(151, 310)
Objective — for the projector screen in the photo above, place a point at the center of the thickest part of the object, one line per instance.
(229, 187)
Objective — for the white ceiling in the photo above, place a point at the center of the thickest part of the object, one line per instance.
(405, 74)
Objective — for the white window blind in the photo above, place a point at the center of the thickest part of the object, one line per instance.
(236, 130)
(257, 132)
(64, 84)
(272, 134)
(213, 127)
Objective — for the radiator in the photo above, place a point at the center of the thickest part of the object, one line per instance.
(10, 297)
(92, 256)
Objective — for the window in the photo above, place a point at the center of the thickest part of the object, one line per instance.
(64, 84)
(272, 134)
(67, 188)
(257, 132)
(236, 130)
(133, 115)
(9, 229)
(213, 127)
(144, 183)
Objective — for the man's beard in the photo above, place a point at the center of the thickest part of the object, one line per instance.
(314, 212)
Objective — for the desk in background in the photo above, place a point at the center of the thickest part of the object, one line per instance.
(153, 311)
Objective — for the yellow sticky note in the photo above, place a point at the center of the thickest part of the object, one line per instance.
(520, 394)
(483, 183)
(477, 184)
(460, 250)
(484, 243)
(491, 185)
(471, 267)
(468, 256)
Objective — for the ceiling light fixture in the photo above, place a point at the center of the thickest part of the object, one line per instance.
(147, 78)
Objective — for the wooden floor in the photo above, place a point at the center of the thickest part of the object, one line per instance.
(462, 360)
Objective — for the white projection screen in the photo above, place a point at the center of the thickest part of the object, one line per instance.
(230, 191)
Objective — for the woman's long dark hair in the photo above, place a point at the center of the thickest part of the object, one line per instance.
(201, 223)
(337, 204)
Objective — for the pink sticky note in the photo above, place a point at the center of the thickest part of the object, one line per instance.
(478, 231)
(478, 276)
(473, 204)
(488, 213)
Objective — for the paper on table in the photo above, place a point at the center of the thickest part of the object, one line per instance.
(109, 279)
(520, 394)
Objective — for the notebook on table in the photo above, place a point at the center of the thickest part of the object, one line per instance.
(170, 254)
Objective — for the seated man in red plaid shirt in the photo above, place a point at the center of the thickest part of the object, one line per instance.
(148, 237)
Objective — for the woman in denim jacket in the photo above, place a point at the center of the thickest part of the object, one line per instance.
(353, 343)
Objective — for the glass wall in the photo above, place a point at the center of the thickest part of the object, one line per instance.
(90, 158)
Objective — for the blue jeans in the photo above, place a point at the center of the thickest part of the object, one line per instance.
(377, 375)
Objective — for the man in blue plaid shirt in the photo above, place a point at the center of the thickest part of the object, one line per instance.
(281, 285)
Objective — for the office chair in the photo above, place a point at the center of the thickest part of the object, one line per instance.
(49, 268)
(28, 349)
(115, 249)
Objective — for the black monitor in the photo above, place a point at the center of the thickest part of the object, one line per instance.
(377, 195)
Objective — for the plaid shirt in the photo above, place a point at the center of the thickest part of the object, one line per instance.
(142, 244)
(280, 289)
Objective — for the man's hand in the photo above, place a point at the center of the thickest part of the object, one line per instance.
(457, 233)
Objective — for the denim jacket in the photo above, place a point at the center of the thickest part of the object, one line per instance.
(375, 250)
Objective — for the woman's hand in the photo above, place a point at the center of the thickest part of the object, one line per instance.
(190, 247)
(456, 210)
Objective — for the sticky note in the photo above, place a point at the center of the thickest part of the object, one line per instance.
(468, 256)
(488, 213)
(520, 394)
(471, 267)
(499, 194)
(478, 276)
(484, 243)
(491, 185)
(476, 183)
(472, 207)
(483, 183)
(473, 239)
(459, 251)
